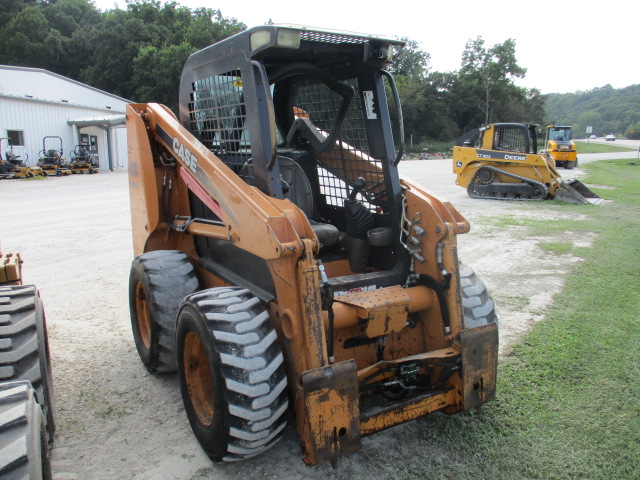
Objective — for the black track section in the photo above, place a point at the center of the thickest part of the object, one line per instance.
(24, 347)
(24, 452)
(527, 189)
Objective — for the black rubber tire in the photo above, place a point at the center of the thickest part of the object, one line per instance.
(160, 280)
(24, 345)
(569, 165)
(477, 304)
(244, 375)
(24, 450)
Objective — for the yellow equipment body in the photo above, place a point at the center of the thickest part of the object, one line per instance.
(12, 166)
(51, 160)
(83, 161)
(10, 268)
(500, 161)
(15, 168)
(560, 147)
(297, 268)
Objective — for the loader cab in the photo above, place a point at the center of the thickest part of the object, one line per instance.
(303, 114)
(514, 137)
(559, 146)
(561, 134)
(506, 137)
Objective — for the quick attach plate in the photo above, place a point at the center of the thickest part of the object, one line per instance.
(333, 411)
(479, 364)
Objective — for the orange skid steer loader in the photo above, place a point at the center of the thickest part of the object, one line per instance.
(281, 261)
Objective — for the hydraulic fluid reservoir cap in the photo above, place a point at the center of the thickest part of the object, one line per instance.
(380, 237)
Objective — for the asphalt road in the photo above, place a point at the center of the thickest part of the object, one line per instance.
(634, 144)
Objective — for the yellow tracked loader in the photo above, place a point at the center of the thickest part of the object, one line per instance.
(500, 161)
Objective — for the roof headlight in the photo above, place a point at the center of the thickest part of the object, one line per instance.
(260, 39)
(288, 38)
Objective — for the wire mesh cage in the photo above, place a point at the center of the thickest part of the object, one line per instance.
(342, 164)
(218, 118)
(510, 139)
(217, 114)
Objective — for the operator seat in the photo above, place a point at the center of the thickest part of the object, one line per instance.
(301, 194)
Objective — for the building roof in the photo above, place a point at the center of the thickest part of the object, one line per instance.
(99, 121)
(37, 84)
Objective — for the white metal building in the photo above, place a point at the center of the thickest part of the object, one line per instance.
(36, 103)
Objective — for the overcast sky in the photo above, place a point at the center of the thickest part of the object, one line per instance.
(565, 45)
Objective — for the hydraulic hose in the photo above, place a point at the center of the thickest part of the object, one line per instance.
(438, 288)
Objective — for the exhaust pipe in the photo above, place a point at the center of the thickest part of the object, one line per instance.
(574, 191)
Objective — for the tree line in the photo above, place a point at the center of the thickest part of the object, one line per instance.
(138, 53)
(606, 109)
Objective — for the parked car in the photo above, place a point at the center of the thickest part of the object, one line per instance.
(592, 137)
(610, 138)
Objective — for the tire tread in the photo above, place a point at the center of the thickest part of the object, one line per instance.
(171, 277)
(251, 366)
(477, 304)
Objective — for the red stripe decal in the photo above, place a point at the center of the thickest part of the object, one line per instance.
(201, 193)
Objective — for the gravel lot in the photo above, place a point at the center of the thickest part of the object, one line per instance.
(116, 421)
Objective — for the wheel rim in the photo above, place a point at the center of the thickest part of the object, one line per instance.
(142, 316)
(199, 379)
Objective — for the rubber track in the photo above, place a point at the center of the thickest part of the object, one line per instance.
(19, 346)
(252, 369)
(477, 304)
(171, 278)
(528, 181)
(23, 451)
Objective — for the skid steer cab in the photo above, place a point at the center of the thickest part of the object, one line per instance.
(501, 161)
(281, 261)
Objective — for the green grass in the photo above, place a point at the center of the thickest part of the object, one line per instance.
(532, 227)
(568, 399)
(584, 147)
(558, 248)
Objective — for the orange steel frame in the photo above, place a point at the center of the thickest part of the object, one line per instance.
(324, 394)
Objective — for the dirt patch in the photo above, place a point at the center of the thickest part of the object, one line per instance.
(116, 421)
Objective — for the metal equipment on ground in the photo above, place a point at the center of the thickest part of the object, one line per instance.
(560, 147)
(12, 166)
(500, 161)
(51, 160)
(282, 263)
(26, 385)
(83, 160)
